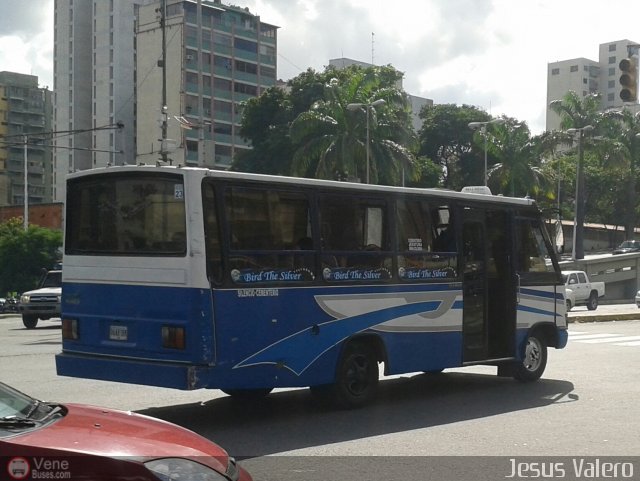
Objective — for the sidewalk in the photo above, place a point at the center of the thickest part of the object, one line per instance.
(605, 312)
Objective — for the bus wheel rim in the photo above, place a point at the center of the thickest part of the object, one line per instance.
(532, 355)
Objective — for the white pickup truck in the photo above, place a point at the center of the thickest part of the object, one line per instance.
(44, 302)
(580, 291)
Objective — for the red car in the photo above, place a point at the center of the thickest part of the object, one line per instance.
(41, 440)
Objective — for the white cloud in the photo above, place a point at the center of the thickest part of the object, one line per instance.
(26, 39)
(488, 53)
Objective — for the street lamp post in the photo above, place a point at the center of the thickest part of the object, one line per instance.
(367, 108)
(25, 219)
(483, 129)
(578, 221)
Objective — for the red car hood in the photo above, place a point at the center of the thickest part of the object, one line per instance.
(108, 432)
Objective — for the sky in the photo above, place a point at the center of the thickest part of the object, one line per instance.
(492, 54)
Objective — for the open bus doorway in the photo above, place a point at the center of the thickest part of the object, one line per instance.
(488, 286)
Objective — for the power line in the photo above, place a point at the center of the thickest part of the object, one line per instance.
(62, 133)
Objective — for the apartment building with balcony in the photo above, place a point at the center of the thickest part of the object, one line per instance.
(25, 113)
(216, 57)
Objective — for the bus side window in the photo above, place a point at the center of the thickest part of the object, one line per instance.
(531, 256)
(426, 241)
(270, 235)
(355, 238)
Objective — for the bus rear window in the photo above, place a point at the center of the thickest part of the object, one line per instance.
(133, 214)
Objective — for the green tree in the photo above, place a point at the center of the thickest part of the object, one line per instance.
(577, 112)
(23, 254)
(621, 148)
(266, 120)
(446, 139)
(330, 137)
(265, 125)
(518, 169)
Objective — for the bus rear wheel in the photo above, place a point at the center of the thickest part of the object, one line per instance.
(534, 362)
(356, 377)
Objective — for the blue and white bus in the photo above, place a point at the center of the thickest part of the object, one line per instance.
(194, 278)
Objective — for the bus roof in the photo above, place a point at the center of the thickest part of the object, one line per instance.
(297, 181)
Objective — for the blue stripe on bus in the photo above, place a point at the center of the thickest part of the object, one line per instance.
(298, 351)
(535, 310)
(541, 293)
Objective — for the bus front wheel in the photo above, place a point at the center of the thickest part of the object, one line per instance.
(356, 376)
(535, 360)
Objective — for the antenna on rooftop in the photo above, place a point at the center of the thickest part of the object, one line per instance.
(372, 48)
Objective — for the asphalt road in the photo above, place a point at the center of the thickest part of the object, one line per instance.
(463, 424)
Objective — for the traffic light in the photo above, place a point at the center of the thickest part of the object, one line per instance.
(629, 79)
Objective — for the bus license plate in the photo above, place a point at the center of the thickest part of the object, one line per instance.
(118, 333)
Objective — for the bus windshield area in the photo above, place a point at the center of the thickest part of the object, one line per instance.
(132, 215)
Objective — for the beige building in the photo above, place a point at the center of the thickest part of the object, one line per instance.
(586, 76)
(25, 113)
(217, 56)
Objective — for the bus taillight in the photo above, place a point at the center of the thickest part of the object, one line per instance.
(173, 337)
(70, 329)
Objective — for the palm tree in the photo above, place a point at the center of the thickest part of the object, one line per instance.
(576, 111)
(622, 147)
(579, 113)
(517, 171)
(330, 138)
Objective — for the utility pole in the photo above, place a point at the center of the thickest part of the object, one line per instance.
(163, 25)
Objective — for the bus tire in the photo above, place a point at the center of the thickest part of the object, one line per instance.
(248, 394)
(356, 377)
(534, 361)
(592, 302)
(30, 321)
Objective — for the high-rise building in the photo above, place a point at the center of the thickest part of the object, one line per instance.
(216, 56)
(586, 76)
(94, 85)
(25, 112)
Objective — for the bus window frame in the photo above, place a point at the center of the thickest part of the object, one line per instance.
(552, 275)
(167, 176)
(336, 260)
(228, 253)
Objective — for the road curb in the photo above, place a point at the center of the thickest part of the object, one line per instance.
(632, 316)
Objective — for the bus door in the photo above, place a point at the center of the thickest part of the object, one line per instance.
(474, 287)
(489, 314)
(502, 285)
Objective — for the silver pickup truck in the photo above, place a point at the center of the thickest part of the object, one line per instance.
(44, 302)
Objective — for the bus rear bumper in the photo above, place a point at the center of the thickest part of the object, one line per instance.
(562, 338)
(160, 374)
